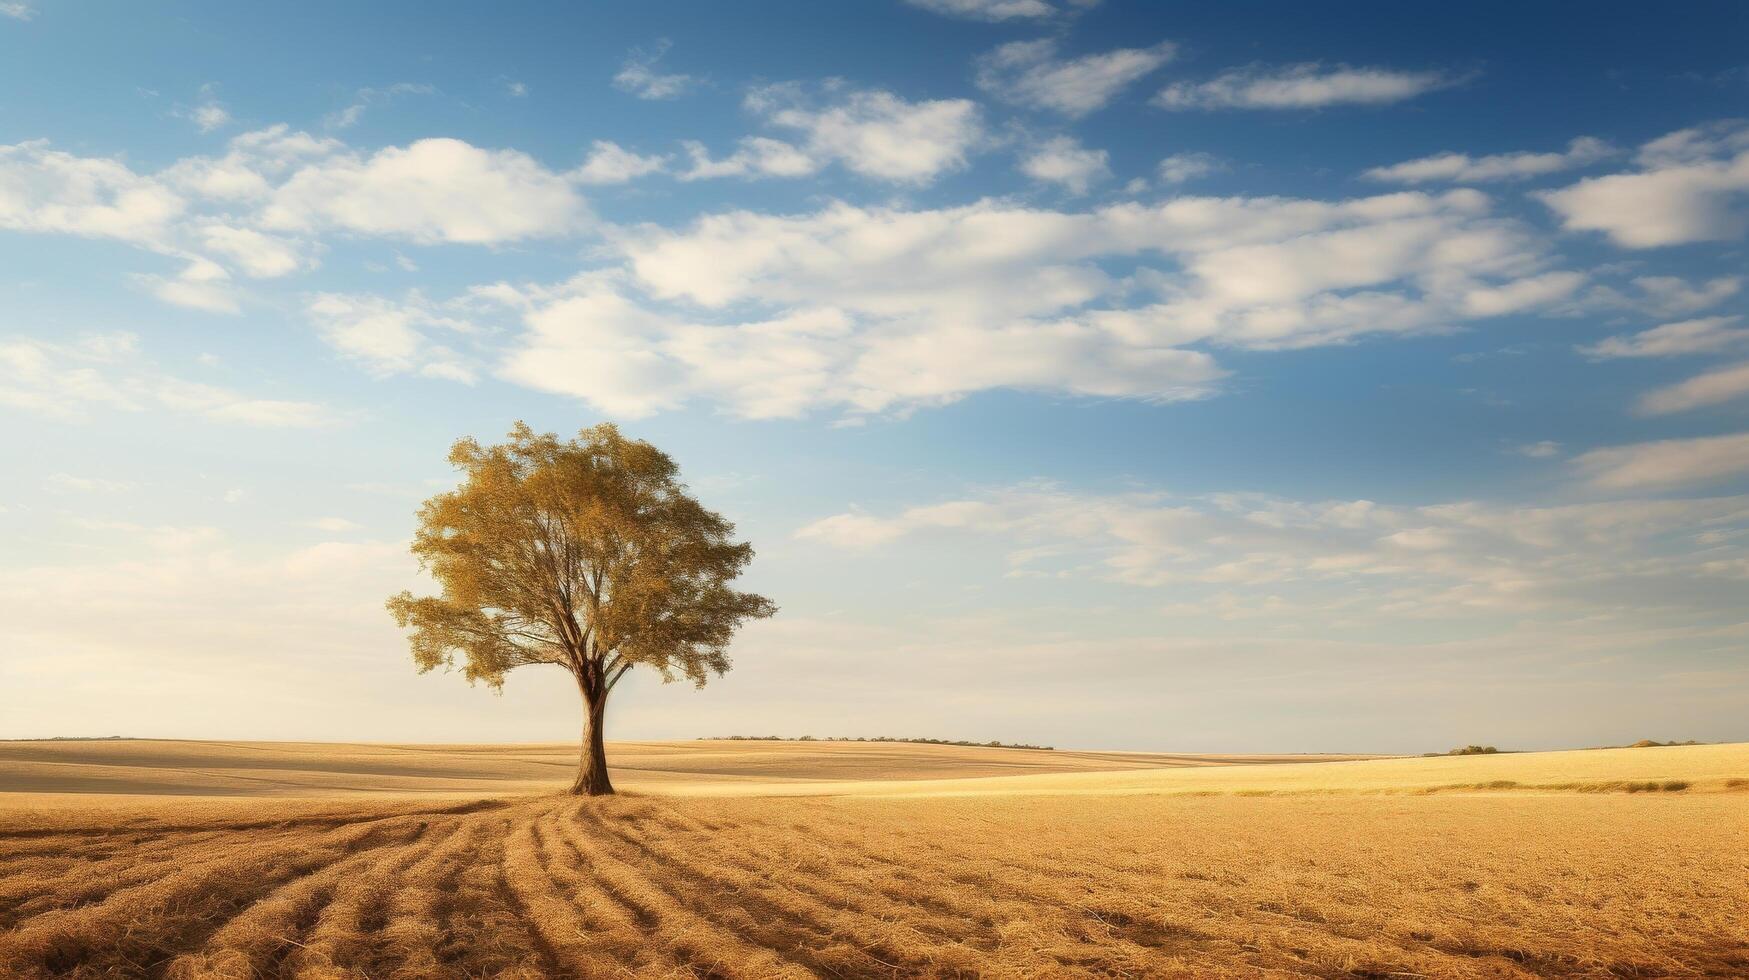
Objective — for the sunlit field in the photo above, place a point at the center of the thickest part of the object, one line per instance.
(753, 859)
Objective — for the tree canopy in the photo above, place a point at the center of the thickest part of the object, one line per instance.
(587, 554)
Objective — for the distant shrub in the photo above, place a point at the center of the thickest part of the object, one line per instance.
(1474, 750)
(1675, 785)
(1647, 743)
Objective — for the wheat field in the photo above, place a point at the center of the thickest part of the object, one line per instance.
(827, 859)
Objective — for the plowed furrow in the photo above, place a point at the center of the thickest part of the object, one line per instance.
(566, 934)
(709, 948)
(842, 877)
(142, 927)
(346, 929)
(262, 938)
(762, 903)
(1040, 910)
(504, 889)
(409, 940)
(87, 883)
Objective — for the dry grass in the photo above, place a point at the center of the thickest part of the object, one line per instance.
(1199, 882)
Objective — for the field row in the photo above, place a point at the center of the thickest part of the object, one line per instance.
(1496, 885)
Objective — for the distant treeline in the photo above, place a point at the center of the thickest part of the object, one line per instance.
(1470, 750)
(878, 738)
(74, 738)
(1644, 743)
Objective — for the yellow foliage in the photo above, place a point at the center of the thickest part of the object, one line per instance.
(589, 555)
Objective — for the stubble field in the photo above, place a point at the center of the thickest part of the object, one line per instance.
(820, 859)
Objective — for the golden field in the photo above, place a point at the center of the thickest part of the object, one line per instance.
(754, 859)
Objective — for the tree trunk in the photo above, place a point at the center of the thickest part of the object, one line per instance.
(592, 766)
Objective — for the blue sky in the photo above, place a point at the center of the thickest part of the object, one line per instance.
(1372, 377)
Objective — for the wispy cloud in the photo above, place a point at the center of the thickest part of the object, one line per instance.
(68, 381)
(1707, 335)
(1304, 86)
(885, 310)
(874, 134)
(610, 163)
(1362, 558)
(393, 336)
(1463, 168)
(639, 76)
(208, 114)
(68, 483)
(992, 10)
(1666, 463)
(1180, 168)
(367, 98)
(1716, 387)
(1030, 73)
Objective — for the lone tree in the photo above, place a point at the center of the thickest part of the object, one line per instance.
(589, 555)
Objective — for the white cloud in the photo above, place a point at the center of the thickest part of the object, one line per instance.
(639, 77)
(516, 90)
(1358, 557)
(754, 157)
(1180, 168)
(17, 10)
(1303, 86)
(610, 163)
(854, 530)
(1707, 335)
(48, 191)
(1691, 188)
(1530, 292)
(1539, 450)
(1714, 387)
(877, 134)
(209, 116)
(1063, 160)
(433, 190)
(993, 10)
(256, 254)
(258, 209)
(203, 285)
(627, 358)
(1262, 260)
(392, 337)
(67, 380)
(1666, 463)
(886, 310)
(1463, 168)
(1029, 73)
(254, 162)
(1672, 296)
(334, 524)
(1697, 144)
